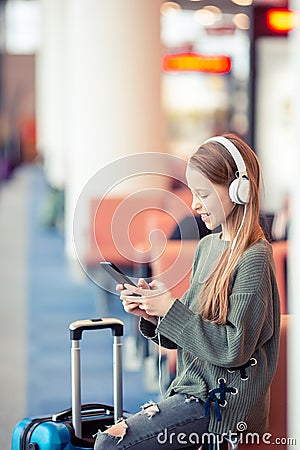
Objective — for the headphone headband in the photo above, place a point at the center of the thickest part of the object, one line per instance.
(237, 157)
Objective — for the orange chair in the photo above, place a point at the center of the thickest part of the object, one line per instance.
(158, 227)
(99, 248)
(121, 227)
(280, 253)
(118, 226)
(173, 265)
(278, 407)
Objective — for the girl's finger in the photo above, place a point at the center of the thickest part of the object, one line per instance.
(125, 292)
(158, 285)
(129, 305)
(143, 283)
(132, 299)
(133, 289)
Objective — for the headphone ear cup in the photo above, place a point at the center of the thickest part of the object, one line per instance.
(239, 191)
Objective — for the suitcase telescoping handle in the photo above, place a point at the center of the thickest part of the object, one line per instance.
(76, 330)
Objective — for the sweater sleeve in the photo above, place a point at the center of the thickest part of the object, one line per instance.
(149, 331)
(250, 316)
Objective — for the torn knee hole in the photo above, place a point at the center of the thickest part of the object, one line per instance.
(150, 409)
(118, 430)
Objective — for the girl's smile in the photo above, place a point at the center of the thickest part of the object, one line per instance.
(205, 217)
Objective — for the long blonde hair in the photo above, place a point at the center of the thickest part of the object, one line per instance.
(215, 162)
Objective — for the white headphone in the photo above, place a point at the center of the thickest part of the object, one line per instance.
(239, 189)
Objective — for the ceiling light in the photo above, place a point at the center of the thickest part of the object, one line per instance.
(169, 7)
(241, 21)
(243, 2)
(205, 17)
(214, 9)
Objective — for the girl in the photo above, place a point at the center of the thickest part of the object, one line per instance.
(225, 327)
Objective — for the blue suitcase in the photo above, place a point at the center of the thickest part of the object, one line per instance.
(75, 428)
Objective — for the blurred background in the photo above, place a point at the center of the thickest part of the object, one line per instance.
(86, 83)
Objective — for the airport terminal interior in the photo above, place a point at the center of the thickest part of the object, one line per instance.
(101, 106)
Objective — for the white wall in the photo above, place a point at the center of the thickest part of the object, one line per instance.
(274, 118)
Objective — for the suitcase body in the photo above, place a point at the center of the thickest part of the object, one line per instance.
(75, 428)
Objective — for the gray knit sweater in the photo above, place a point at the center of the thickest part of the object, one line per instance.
(210, 356)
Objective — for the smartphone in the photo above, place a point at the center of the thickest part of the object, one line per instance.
(117, 274)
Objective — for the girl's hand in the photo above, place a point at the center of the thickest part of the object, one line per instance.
(155, 300)
(131, 303)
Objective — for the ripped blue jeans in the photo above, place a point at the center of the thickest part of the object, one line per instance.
(173, 423)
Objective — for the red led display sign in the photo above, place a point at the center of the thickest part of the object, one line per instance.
(282, 20)
(194, 62)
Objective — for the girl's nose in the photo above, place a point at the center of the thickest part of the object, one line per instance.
(196, 204)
